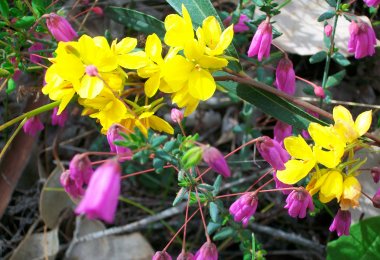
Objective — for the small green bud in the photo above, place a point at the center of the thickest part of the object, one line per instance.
(192, 157)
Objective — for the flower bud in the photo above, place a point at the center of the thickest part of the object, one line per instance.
(261, 41)
(32, 126)
(328, 30)
(59, 120)
(362, 40)
(297, 203)
(375, 172)
(176, 115)
(60, 28)
(159, 255)
(285, 76)
(341, 223)
(192, 157)
(376, 199)
(240, 26)
(319, 92)
(208, 251)
(70, 186)
(272, 152)
(244, 208)
(97, 10)
(81, 169)
(215, 159)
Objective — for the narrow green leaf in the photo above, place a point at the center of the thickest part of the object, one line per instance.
(326, 15)
(24, 22)
(4, 8)
(206, 186)
(180, 195)
(214, 211)
(224, 233)
(212, 227)
(158, 140)
(217, 185)
(318, 57)
(340, 59)
(331, 3)
(335, 79)
(158, 164)
(258, 2)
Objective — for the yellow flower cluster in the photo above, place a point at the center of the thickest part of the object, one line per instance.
(96, 72)
(333, 177)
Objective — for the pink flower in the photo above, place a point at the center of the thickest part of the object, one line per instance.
(97, 10)
(281, 131)
(376, 199)
(207, 251)
(372, 3)
(35, 47)
(272, 152)
(319, 92)
(328, 30)
(176, 115)
(113, 134)
(375, 172)
(159, 255)
(341, 223)
(261, 42)
(244, 208)
(70, 185)
(81, 169)
(281, 185)
(185, 256)
(297, 202)
(362, 40)
(101, 197)
(240, 26)
(32, 126)
(215, 159)
(59, 120)
(285, 76)
(60, 28)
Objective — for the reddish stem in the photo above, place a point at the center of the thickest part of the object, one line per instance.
(262, 177)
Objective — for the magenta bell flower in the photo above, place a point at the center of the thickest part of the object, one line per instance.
(244, 208)
(376, 199)
(297, 203)
(159, 255)
(81, 169)
(280, 185)
(113, 134)
(208, 251)
(60, 28)
(372, 3)
(70, 185)
(281, 131)
(362, 40)
(185, 256)
(285, 76)
(215, 159)
(328, 30)
(35, 47)
(32, 126)
(261, 41)
(59, 120)
(272, 152)
(341, 223)
(101, 197)
(240, 26)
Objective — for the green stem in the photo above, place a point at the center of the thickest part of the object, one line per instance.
(30, 114)
(6, 146)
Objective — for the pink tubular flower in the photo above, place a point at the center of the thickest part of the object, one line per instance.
(375, 172)
(35, 47)
(341, 223)
(372, 3)
(285, 76)
(281, 131)
(297, 202)
(240, 26)
(59, 120)
(70, 185)
(272, 152)
(159, 255)
(60, 28)
(261, 42)
(185, 256)
(362, 40)
(32, 126)
(101, 197)
(328, 30)
(244, 208)
(376, 199)
(207, 251)
(113, 134)
(81, 169)
(176, 115)
(215, 159)
(281, 185)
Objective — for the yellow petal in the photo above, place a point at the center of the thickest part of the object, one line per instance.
(332, 187)
(126, 45)
(69, 67)
(363, 122)
(133, 60)
(201, 84)
(178, 30)
(329, 159)
(90, 87)
(351, 193)
(298, 148)
(342, 113)
(224, 41)
(210, 62)
(160, 125)
(295, 170)
(153, 48)
(211, 31)
(152, 84)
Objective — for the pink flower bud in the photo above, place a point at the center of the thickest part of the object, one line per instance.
(92, 71)
(285, 76)
(97, 10)
(159, 255)
(328, 30)
(215, 159)
(101, 197)
(272, 152)
(261, 41)
(208, 251)
(281, 131)
(376, 199)
(35, 47)
(372, 3)
(70, 186)
(32, 126)
(81, 169)
(281, 185)
(297, 202)
(319, 92)
(375, 172)
(176, 115)
(185, 256)
(60, 28)
(362, 40)
(113, 134)
(244, 208)
(341, 223)
(240, 26)
(59, 120)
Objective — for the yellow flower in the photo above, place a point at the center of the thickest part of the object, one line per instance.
(301, 164)
(329, 185)
(126, 57)
(329, 146)
(345, 125)
(351, 193)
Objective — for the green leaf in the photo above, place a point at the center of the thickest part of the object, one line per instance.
(335, 79)
(206, 187)
(199, 10)
(224, 233)
(158, 140)
(11, 86)
(212, 227)
(214, 211)
(326, 15)
(340, 59)
(25, 22)
(136, 20)
(318, 57)
(39, 6)
(362, 243)
(258, 2)
(217, 185)
(331, 3)
(192, 157)
(180, 195)
(4, 8)
(158, 164)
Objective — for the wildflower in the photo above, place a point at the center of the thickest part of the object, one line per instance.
(37, 46)
(240, 26)
(302, 162)
(244, 208)
(161, 255)
(81, 169)
(345, 125)
(32, 126)
(351, 193)
(376, 199)
(297, 202)
(285, 76)
(375, 172)
(208, 251)
(329, 185)
(60, 28)
(97, 10)
(59, 119)
(261, 41)
(113, 134)
(185, 256)
(272, 152)
(372, 3)
(362, 40)
(328, 30)
(215, 159)
(176, 115)
(101, 197)
(281, 131)
(319, 92)
(281, 185)
(70, 185)
(341, 223)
